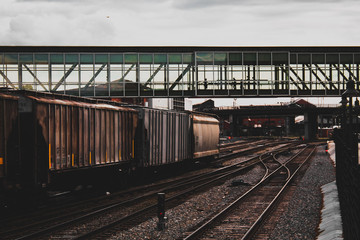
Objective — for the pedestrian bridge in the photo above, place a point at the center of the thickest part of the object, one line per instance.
(181, 71)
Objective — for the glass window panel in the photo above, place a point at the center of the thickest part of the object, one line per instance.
(175, 58)
(87, 58)
(204, 58)
(11, 58)
(356, 58)
(1, 58)
(304, 59)
(71, 58)
(26, 58)
(318, 58)
(250, 58)
(160, 58)
(41, 58)
(280, 58)
(346, 58)
(188, 58)
(332, 58)
(293, 58)
(264, 58)
(220, 58)
(131, 58)
(116, 58)
(56, 58)
(146, 58)
(101, 58)
(235, 58)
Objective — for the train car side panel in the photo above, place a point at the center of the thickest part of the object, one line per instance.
(86, 154)
(9, 142)
(97, 133)
(206, 135)
(163, 137)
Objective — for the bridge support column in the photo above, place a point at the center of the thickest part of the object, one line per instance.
(289, 124)
(310, 124)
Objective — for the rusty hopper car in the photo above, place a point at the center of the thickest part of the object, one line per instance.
(64, 141)
(162, 137)
(205, 135)
(9, 142)
(50, 140)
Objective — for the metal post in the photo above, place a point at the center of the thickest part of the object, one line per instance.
(350, 139)
(161, 211)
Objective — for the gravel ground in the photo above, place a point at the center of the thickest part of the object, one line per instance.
(303, 215)
(192, 212)
(299, 222)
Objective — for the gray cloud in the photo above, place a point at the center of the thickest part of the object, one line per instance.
(189, 4)
(181, 22)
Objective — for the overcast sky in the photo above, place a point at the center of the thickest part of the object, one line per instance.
(180, 22)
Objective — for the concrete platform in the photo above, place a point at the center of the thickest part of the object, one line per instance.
(330, 226)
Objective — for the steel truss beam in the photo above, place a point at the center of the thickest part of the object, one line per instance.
(180, 77)
(317, 77)
(332, 85)
(341, 73)
(65, 76)
(127, 72)
(153, 75)
(283, 69)
(350, 72)
(7, 79)
(34, 76)
(305, 87)
(95, 75)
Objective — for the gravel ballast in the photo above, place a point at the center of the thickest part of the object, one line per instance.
(302, 218)
(300, 221)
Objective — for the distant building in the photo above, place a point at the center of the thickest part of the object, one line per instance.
(208, 104)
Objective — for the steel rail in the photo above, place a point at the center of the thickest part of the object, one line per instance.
(201, 229)
(173, 198)
(183, 182)
(266, 212)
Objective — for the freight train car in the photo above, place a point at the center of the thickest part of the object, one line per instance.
(205, 135)
(60, 141)
(63, 141)
(163, 137)
(9, 142)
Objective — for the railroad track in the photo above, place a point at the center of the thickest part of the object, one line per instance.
(242, 218)
(175, 191)
(228, 147)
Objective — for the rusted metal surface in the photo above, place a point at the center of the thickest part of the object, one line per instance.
(206, 135)
(163, 137)
(60, 134)
(83, 134)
